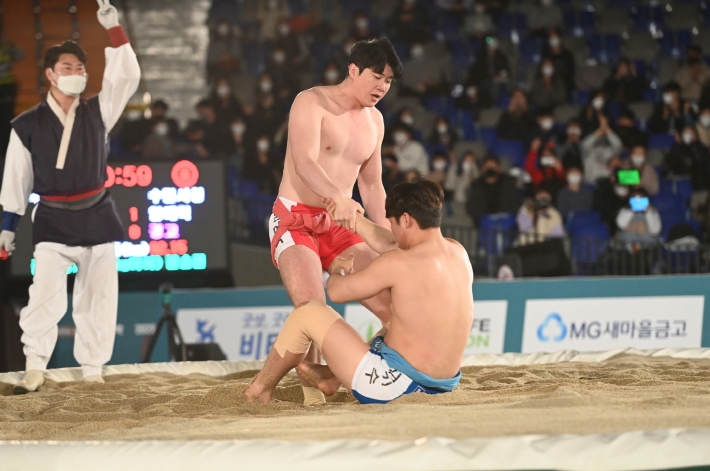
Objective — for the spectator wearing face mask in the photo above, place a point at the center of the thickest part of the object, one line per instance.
(438, 168)
(575, 197)
(238, 149)
(331, 75)
(269, 114)
(216, 135)
(260, 165)
(478, 23)
(548, 89)
(649, 177)
(625, 86)
(461, 175)
(491, 70)
(546, 134)
(693, 75)
(670, 115)
(702, 128)
(592, 113)
(597, 149)
(410, 21)
(158, 144)
(627, 131)
(193, 143)
(361, 28)
(544, 168)
(637, 226)
(159, 110)
(292, 44)
(443, 136)
(689, 157)
(285, 82)
(517, 122)
(426, 75)
(269, 13)
(493, 192)
(544, 15)
(570, 150)
(225, 104)
(410, 153)
(473, 99)
(403, 118)
(609, 195)
(538, 219)
(224, 41)
(391, 174)
(562, 59)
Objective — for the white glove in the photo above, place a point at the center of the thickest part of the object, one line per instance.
(107, 14)
(7, 241)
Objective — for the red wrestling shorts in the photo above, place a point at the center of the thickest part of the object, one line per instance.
(295, 223)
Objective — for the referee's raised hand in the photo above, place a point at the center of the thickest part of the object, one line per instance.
(107, 14)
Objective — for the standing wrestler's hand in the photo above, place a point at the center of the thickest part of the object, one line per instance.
(107, 14)
(343, 266)
(345, 213)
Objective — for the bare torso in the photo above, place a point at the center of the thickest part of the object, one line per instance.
(432, 302)
(347, 139)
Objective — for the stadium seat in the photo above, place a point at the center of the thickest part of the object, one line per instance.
(248, 189)
(681, 187)
(513, 149)
(577, 219)
(665, 202)
(496, 232)
(660, 141)
(468, 125)
(489, 136)
(587, 243)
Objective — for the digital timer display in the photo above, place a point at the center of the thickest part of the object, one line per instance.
(173, 214)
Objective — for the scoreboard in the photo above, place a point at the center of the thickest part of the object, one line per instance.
(173, 213)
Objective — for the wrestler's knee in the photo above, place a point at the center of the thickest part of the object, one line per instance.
(308, 322)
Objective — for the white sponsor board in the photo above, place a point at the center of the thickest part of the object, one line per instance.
(594, 324)
(243, 333)
(487, 334)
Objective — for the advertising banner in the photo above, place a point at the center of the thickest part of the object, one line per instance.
(595, 324)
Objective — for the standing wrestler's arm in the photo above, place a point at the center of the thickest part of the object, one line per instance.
(370, 179)
(122, 73)
(378, 276)
(17, 184)
(304, 136)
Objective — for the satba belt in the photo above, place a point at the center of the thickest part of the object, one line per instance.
(74, 202)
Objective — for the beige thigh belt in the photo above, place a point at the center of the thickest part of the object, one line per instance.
(307, 323)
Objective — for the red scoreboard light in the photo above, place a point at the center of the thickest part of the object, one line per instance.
(185, 174)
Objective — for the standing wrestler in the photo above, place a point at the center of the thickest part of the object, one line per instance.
(335, 139)
(59, 150)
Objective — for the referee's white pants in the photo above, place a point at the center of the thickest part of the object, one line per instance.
(95, 304)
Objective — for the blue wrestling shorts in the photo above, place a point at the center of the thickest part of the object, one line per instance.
(383, 375)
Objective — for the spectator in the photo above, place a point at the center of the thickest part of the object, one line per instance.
(517, 122)
(460, 176)
(478, 23)
(570, 150)
(689, 157)
(562, 59)
(574, 197)
(543, 16)
(238, 132)
(610, 196)
(491, 69)
(544, 168)
(493, 192)
(548, 89)
(438, 168)
(443, 136)
(703, 126)
(410, 21)
(391, 174)
(225, 104)
(591, 114)
(158, 144)
(597, 149)
(410, 153)
(627, 131)
(9, 53)
(625, 86)
(268, 13)
(672, 114)
(473, 99)
(293, 46)
(340, 56)
(649, 177)
(538, 219)
(331, 74)
(243, 85)
(260, 165)
(426, 74)
(405, 118)
(546, 133)
(284, 80)
(268, 114)
(361, 28)
(454, 6)
(216, 137)
(137, 127)
(693, 75)
(193, 146)
(640, 226)
(225, 44)
(159, 110)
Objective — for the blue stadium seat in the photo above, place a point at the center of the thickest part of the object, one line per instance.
(489, 136)
(677, 186)
(588, 242)
(496, 232)
(468, 126)
(660, 141)
(580, 97)
(531, 51)
(449, 26)
(577, 219)
(646, 16)
(513, 149)
(651, 95)
(622, 3)
(503, 101)
(248, 189)
(668, 203)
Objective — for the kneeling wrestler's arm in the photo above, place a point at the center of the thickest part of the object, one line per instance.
(375, 236)
(344, 287)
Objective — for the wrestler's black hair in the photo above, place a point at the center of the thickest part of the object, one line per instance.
(422, 199)
(376, 54)
(51, 57)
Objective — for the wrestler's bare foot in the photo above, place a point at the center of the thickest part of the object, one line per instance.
(319, 376)
(257, 391)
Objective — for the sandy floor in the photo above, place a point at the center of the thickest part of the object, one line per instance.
(626, 393)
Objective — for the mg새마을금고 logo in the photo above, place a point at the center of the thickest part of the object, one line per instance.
(552, 328)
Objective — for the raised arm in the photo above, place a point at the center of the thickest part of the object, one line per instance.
(122, 74)
(370, 178)
(304, 127)
(345, 287)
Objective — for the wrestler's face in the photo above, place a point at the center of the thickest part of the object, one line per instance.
(371, 86)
